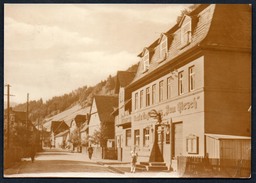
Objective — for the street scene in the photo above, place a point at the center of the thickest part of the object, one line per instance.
(59, 163)
(128, 90)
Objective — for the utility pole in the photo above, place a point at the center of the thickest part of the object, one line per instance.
(27, 111)
(8, 114)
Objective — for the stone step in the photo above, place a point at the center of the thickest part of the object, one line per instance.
(157, 168)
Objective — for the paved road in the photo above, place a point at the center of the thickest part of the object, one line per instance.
(57, 163)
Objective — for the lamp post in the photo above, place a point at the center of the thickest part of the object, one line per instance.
(158, 131)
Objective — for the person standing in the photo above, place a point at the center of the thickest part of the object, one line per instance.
(133, 161)
(90, 151)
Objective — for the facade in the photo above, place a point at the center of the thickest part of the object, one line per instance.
(123, 115)
(56, 128)
(192, 81)
(62, 139)
(100, 118)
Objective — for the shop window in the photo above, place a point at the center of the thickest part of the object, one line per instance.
(154, 94)
(161, 91)
(128, 137)
(191, 78)
(141, 98)
(169, 88)
(137, 137)
(147, 97)
(192, 144)
(180, 83)
(146, 136)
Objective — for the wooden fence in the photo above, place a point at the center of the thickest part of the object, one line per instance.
(205, 167)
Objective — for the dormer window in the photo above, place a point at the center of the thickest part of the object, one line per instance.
(186, 34)
(163, 47)
(145, 62)
(186, 31)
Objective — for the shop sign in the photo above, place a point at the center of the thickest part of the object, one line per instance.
(169, 109)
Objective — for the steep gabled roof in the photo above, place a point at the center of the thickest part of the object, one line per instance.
(80, 119)
(105, 106)
(216, 25)
(123, 78)
(56, 125)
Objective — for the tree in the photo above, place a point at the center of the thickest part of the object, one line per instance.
(99, 136)
(75, 138)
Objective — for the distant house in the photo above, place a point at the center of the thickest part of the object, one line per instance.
(75, 127)
(101, 120)
(56, 128)
(61, 139)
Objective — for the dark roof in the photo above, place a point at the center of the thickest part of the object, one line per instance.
(105, 106)
(216, 25)
(80, 119)
(123, 78)
(57, 125)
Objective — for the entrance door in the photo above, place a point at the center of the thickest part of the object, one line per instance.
(177, 139)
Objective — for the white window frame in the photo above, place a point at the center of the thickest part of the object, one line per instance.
(136, 101)
(191, 71)
(154, 94)
(141, 98)
(180, 82)
(161, 91)
(169, 87)
(145, 62)
(146, 137)
(163, 48)
(128, 139)
(186, 34)
(147, 96)
(137, 137)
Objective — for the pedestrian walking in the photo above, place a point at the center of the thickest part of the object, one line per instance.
(133, 161)
(90, 151)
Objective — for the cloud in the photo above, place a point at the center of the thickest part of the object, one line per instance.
(52, 49)
(19, 35)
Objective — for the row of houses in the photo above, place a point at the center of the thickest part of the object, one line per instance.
(190, 95)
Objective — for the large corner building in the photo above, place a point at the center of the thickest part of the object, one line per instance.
(193, 84)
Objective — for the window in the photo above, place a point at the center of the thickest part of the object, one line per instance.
(153, 94)
(169, 88)
(145, 62)
(146, 136)
(186, 34)
(192, 144)
(136, 137)
(167, 135)
(163, 47)
(180, 84)
(192, 78)
(128, 138)
(161, 91)
(147, 97)
(136, 101)
(141, 98)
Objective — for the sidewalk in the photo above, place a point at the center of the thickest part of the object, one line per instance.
(114, 168)
(123, 168)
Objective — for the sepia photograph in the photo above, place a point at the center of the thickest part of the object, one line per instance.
(127, 90)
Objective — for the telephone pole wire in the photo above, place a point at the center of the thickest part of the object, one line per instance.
(8, 114)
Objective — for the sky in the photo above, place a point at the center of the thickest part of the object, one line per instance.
(53, 49)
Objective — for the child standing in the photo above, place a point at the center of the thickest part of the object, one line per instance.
(133, 161)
